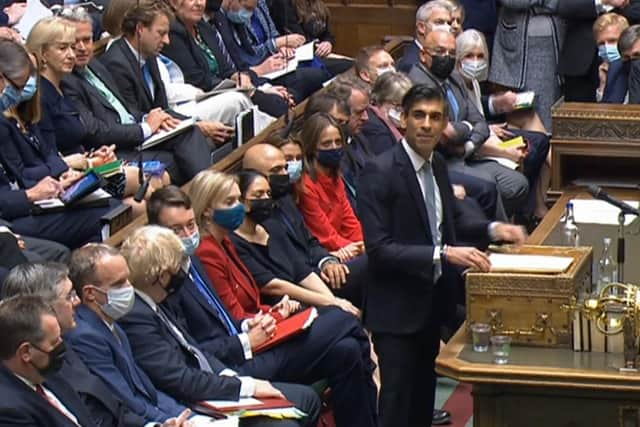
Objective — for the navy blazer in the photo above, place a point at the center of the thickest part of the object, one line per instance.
(171, 367)
(13, 202)
(203, 321)
(99, 117)
(617, 86)
(22, 406)
(410, 57)
(400, 292)
(378, 134)
(29, 156)
(114, 363)
(61, 120)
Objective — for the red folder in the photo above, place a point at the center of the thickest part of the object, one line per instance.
(267, 403)
(289, 327)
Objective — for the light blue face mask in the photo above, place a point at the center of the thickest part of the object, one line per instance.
(294, 169)
(608, 52)
(242, 16)
(191, 243)
(10, 97)
(29, 89)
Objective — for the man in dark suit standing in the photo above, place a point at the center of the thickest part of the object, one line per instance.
(409, 219)
(32, 351)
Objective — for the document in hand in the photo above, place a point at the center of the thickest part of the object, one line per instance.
(525, 99)
(163, 135)
(250, 407)
(289, 328)
(519, 263)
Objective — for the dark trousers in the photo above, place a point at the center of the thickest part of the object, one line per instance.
(352, 290)
(303, 397)
(539, 144)
(407, 375)
(271, 104)
(337, 66)
(303, 82)
(334, 348)
(38, 250)
(484, 192)
(582, 88)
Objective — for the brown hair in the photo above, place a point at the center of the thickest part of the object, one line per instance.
(114, 14)
(165, 197)
(310, 9)
(364, 55)
(310, 135)
(607, 20)
(144, 13)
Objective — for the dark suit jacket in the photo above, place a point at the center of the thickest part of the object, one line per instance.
(104, 406)
(617, 83)
(185, 52)
(99, 117)
(113, 362)
(579, 48)
(399, 296)
(468, 112)
(128, 74)
(22, 406)
(13, 203)
(202, 320)
(171, 367)
(378, 134)
(410, 57)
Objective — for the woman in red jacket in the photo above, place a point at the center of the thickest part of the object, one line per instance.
(216, 203)
(323, 197)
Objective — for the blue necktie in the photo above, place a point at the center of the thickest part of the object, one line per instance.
(146, 74)
(453, 102)
(213, 301)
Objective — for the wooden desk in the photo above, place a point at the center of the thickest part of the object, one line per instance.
(543, 387)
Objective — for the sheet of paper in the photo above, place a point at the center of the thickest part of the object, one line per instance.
(244, 401)
(507, 163)
(520, 263)
(35, 12)
(162, 136)
(587, 211)
(291, 66)
(276, 413)
(525, 99)
(261, 120)
(305, 52)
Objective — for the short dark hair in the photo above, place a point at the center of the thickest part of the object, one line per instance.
(144, 12)
(628, 38)
(37, 278)
(170, 196)
(21, 321)
(422, 92)
(246, 177)
(82, 265)
(324, 102)
(364, 55)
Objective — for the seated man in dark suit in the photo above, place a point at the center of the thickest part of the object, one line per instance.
(100, 276)
(168, 354)
(146, 27)
(103, 110)
(435, 14)
(51, 282)
(10, 254)
(31, 352)
(334, 348)
(467, 130)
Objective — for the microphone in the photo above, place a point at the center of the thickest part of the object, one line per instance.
(144, 183)
(600, 194)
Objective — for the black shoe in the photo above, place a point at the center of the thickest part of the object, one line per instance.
(440, 417)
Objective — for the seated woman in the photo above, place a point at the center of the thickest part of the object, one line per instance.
(30, 168)
(268, 255)
(197, 48)
(51, 40)
(323, 198)
(309, 18)
(382, 129)
(216, 203)
(472, 63)
(292, 149)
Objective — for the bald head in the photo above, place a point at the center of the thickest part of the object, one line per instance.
(266, 159)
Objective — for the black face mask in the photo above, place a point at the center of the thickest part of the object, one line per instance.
(176, 282)
(260, 209)
(56, 359)
(442, 65)
(280, 185)
(213, 5)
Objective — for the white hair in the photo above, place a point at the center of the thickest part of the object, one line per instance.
(426, 10)
(469, 40)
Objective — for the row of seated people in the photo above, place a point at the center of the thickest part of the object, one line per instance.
(68, 112)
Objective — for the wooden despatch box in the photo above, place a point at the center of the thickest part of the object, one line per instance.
(528, 306)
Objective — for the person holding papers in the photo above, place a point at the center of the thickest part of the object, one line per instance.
(95, 95)
(172, 359)
(30, 168)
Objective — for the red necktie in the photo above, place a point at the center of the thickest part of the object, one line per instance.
(53, 403)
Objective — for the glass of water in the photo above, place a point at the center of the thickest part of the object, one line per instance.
(501, 348)
(480, 333)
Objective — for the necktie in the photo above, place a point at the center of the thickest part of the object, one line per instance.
(200, 357)
(428, 181)
(148, 80)
(453, 102)
(213, 301)
(223, 49)
(53, 403)
(107, 94)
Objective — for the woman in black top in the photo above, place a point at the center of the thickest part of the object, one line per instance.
(269, 256)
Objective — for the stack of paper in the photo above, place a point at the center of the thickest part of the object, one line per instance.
(587, 211)
(163, 135)
(520, 263)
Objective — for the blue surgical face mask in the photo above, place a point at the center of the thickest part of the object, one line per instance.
(330, 158)
(294, 169)
(191, 243)
(29, 89)
(10, 97)
(230, 218)
(473, 69)
(608, 52)
(242, 16)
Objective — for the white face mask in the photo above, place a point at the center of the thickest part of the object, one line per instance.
(441, 27)
(473, 69)
(394, 116)
(382, 70)
(119, 302)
